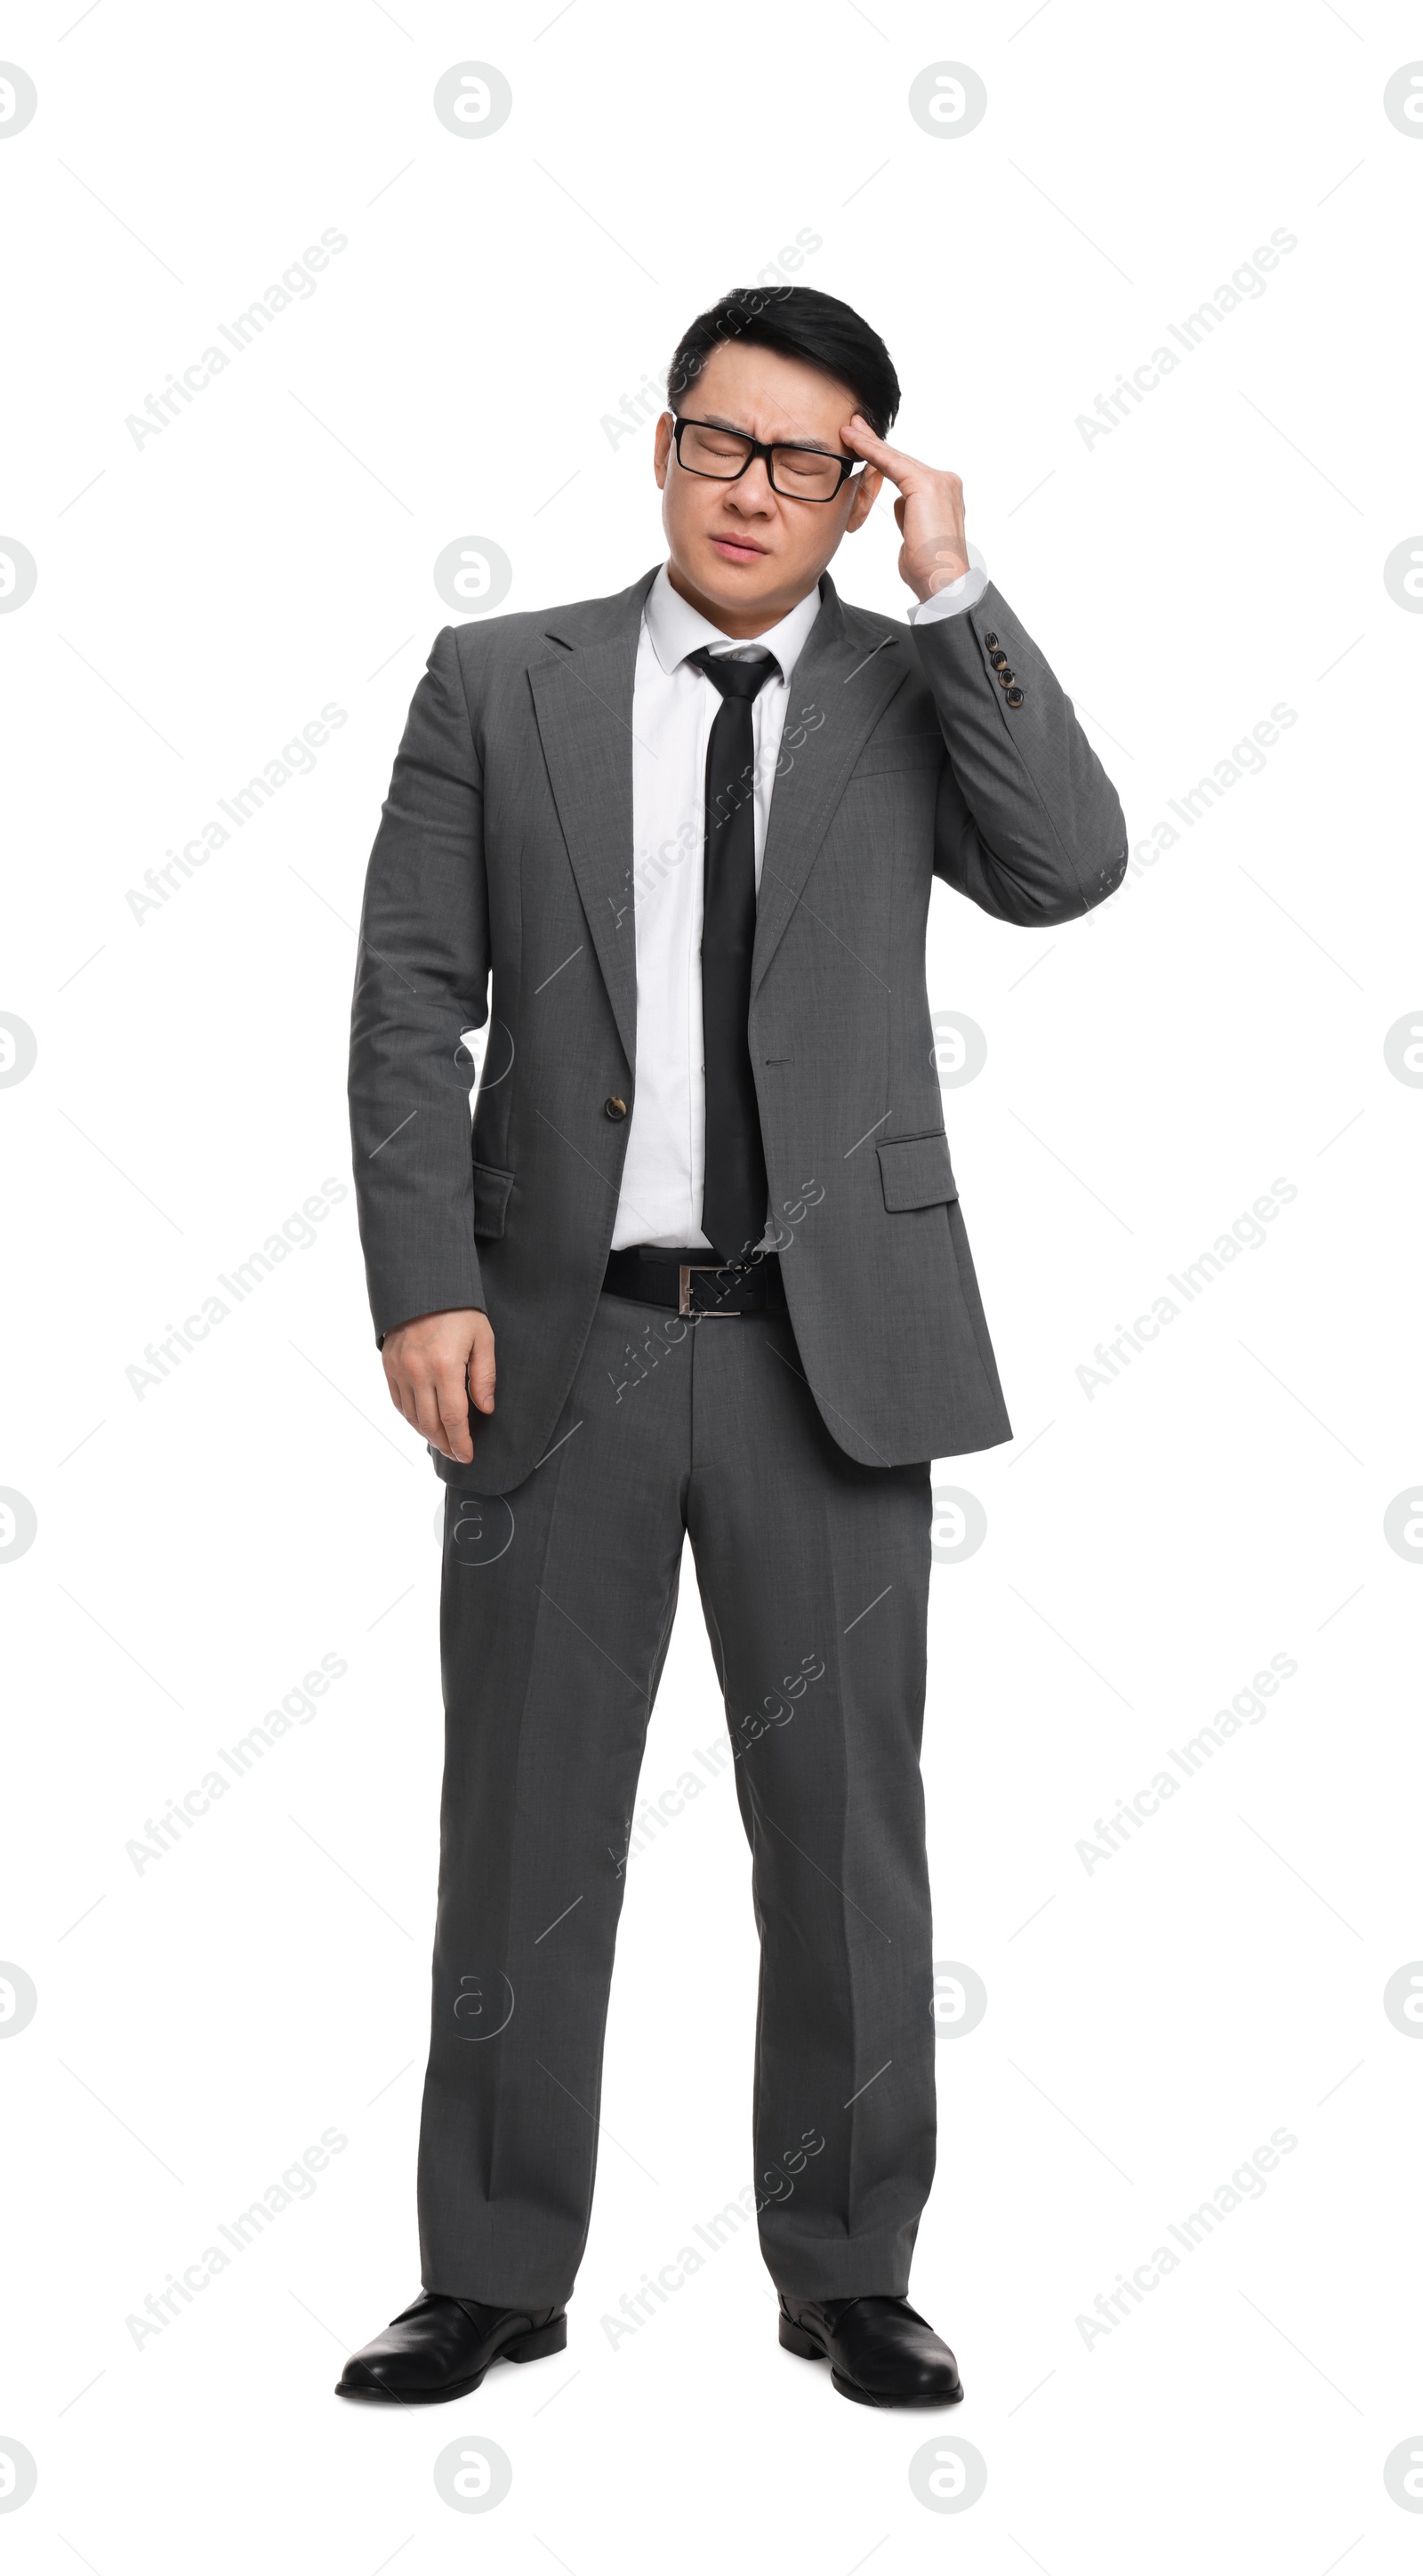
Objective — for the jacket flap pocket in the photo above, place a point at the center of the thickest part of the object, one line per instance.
(491, 1198)
(916, 1171)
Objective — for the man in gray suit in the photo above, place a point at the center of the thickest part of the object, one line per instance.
(675, 848)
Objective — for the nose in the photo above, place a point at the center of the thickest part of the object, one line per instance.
(751, 492)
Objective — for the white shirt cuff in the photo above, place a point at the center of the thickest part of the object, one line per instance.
(955, 596)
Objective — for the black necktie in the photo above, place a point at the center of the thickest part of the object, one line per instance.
(734, 1191)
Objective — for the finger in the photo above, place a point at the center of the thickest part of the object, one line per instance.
(427, 1415)
(901, 468)
(401, 1394)
(454, 1436)
(452, 1398)
(481, 1373)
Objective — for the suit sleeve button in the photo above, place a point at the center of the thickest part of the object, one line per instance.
(615, 1108)
(999, 661)
(991, 642)
(1015, 697)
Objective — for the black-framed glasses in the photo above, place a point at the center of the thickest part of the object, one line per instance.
(723, 455)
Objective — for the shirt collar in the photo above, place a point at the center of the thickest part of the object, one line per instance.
(676, 629)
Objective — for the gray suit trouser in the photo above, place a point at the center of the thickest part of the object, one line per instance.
(556, 1613)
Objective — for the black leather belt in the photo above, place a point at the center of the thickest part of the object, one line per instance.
(691, 1284)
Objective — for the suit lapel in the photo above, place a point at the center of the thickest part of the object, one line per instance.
(847, 681)
(583, 703)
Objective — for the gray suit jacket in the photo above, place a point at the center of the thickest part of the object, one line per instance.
(505, 857)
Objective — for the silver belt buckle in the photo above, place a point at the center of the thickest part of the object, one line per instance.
(684, 1285)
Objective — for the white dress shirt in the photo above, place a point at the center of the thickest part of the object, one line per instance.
(673, 708)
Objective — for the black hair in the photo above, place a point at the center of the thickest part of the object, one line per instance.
(801, 323)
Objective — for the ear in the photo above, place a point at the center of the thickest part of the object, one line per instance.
(662, 449)
(867, 491)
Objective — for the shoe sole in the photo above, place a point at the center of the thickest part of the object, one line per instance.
(531, 2347)
(807, 2347)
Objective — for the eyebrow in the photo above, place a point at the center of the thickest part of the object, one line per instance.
(815, 445)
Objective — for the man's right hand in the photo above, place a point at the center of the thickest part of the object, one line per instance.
(435, 1365)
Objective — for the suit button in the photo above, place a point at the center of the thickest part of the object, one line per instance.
(992, 642)
(999, 661)
(615, 1108)
(1015, 697)
(1006, 677)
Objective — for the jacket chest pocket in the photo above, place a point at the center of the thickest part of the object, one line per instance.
(900, 751)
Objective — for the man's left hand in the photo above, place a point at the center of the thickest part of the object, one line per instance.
(929, 512)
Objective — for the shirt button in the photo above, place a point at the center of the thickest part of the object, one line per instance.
(615, 1108)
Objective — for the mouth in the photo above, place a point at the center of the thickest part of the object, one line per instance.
(738, 549)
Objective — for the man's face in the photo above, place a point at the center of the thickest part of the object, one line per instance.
(740, 552)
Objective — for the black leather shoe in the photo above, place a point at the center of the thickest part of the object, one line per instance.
(880, 2351)
(440, 2347)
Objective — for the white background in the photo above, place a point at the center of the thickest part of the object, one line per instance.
(1221, 1024)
